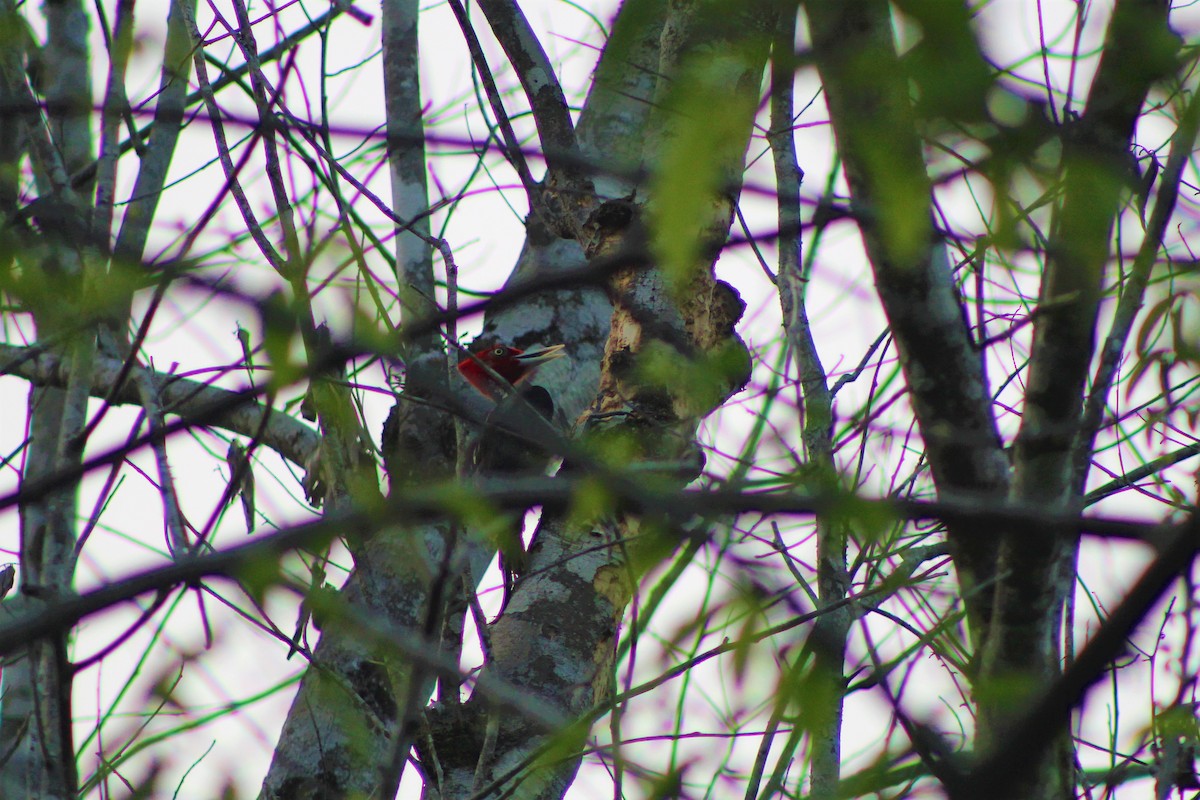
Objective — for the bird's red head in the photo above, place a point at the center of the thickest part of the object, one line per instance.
(515, 366)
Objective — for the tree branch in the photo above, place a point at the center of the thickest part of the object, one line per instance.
(1134, 290)
(182, 397)
(546, 100)
(869, 105)
(512, 146)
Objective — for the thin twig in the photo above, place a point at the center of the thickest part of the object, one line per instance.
(1135, 287)
(512, 146)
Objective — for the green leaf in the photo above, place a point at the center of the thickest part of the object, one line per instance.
(590, 502)
(279, 340)
(703, 381)
(946, 66)
(709, 127)
(258, 574)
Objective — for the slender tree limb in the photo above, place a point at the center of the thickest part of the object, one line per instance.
(264, 103)
(148, 398)
(558, 493)
(182, 49)
(1141, 473)
(1022, 649)
(277, 262)
(869, 104)
(512, 145)
(1133, 291)
(116, 104)
(182, 397)
(1012, 761)
(1097, 164)
(817, 419)
(233, 563)
(532, 66)
(415, 280)
(43, 760)
(67, 84)
(163, 134)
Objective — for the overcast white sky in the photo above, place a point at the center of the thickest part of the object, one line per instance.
(486, 235)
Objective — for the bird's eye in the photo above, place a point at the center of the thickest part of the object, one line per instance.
(498, 352)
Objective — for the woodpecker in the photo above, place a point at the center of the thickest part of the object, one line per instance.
(514, 439)
(513, 365)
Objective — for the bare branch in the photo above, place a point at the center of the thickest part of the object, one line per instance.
(183, 397)
(1134, 289)
(542, 89)
(512, 146)
(942, 368)
(163, 135)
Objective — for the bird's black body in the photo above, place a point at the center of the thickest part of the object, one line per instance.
(518, 438)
